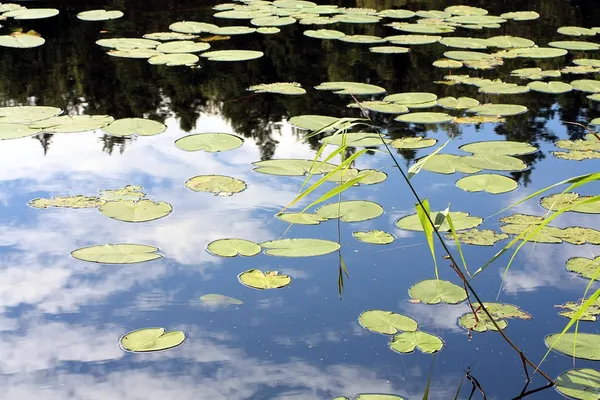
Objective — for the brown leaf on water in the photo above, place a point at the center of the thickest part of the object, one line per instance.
(214, 38)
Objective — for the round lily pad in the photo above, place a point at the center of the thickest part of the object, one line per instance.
(292, 167)
(27, 114)
(301, 218)
(136, 211)
(16, 131)
(242, 14)
(413, 39)
(380, 107)
(413, 143)
(256, 279)
(495, 162)
(490, 183)
(373, 237)
(151, 339)
(498, 109)
(351, 210)
(503, 88)
(449, 164)
(465, 43)
(21, 41)
(368, 39)
(465, 10)
(354, 88)
(407, 342)
(192, 27)
(521, 15)
(484, 237)
(460, 220)
(389, 50)
(435, 291)
(483, 323)
(589, 62)
(467, 55)
(575, 45)
(447, 63)
(386, 322)
(135, 53)
(586, 267)
(425, 118)
(182, 46)
(396, 14)
(585, 346)
(422, 28)
(462, 103)
(586, 85)
(410, 98)
(550, 87)
(117, 253)
(539, 52)
(500, 147)
(31, 13)
(324, 34)
(287, 88)
(233, 248)
(273, 21)
(71, 124)
(134, 126)
(164, 36)
(356, 139)
(509, 42)
(99, 15)
(209, 142)
(268, 30)
(128, 43)
(174, 59)
(233, 30)
(299, 247)
(232, 55)
(581, 384)
(218, 185)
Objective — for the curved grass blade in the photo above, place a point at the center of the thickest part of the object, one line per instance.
(424, 211)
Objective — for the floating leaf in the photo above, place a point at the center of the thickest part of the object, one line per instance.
(168, 36)
(587, 62)
(301, 218)
(151, 339)
(509, 42)
(495, 162)
(550, 87)
(413, 143)
(548, 234)
(356, 139)
(78, 201)
(182, 46)
(449, 164)
(503, 88)
(273, 21)
(71, 124)
(558, 201)
(591, 143)
(236, 14)
(467, 56)
(586, 85)
(209, 142)
(462, 103)
(289, 88)
(389, 50)
(521, 15)
(99, 15)
(232, 55)
(369, 396)
(192, 27)
(266, 30)
(136, 211)
(579, 345)
(447, 63)
(465, 10)
(26, 114)
(233, 248)
(435, 291)
(351, 210)
(324, 34)
(478, 120)
(368, 39)
(128, 192)
(299, 247)
(406, 342)
(117, 253)
(21, 41)
(577, 155)
(490, 183)
(31, 13)
(175, 59)
(380, 106)
(134, 126)
(233, 30)
(128, 43)
(425, 118)
(135, 53)
(484, 237)
(292, 167)
(411, 98)
(413, 39)
(354, 88)
(312, 122)
(582, 384)
(579, 70)
(578, 235)
(256, 279)
(585, 267)
(433, 14)
(465, 43)
(575, 45)
(373, 237)
(476, 19)
(356, 19)
(573, 308)
(396, 14)
(461, 220)
(576, 31)
(386, 322)
(500, 147)
(16, 131)
(421, 28)
(219, 185)
(215, 300)
(539, 52)
(482, 324)
(503, 110)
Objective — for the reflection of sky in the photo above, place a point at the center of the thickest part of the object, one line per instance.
(61, 318)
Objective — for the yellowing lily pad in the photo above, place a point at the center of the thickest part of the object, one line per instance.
(151, 339)
(483, 323)
(233, 248)
(380, 106)
(218, 185)
(411, 98)
(478, 120)
(128, 43)
(484, 237)
(182, 46)
(299, 247)
(407, 342)
(586, 267)
(128, 192)
(490, 183)
(351, 210)
(117, 253)
(256, 279)
(367, 39)
(447, 63)
(163, 36)
(558, 201)
(386, 322)
(460, 220)
(435, 291)
(389, 50)
(78, 201)
(209, 142)
(373, 237)
(577, 155)
(521, 15)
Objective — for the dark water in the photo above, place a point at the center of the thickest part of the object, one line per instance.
(61, 319)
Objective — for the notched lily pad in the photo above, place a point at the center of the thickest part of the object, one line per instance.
(209, 142)
(134, 126)
(490, 183)
(558, 201)
(351, 210)
(301, 218)
(425, 118)
(585, 346)
(151, 339)
(407, 342)
(373, 237)
(413, 143)
(462, 103)
(386, 322)
(299, 247)
(136, 211)
(292, 167)
(219, 185)
(435, 291)
(354, 88)
(233, 248)
(256, 279)
(484, 237)
(460, 220)
(117, 253)
(581, 384)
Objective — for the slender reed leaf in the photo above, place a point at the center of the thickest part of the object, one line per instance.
(418, 166)
(423, 212)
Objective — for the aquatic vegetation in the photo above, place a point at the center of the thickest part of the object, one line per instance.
(233, 248)
(219, 300)
(151, 339)
(117, 253)
(256, 279)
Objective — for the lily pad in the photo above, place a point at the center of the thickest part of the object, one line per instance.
(21, 41)
(500, 147)
(214, 300)
(299, 247)
(422, 28)
(490, 183)
(413, 143)
(31, 13)
(576, 31)
(386, 322)
(413, 39)
(539, 52)
(449, 164)
(396, 14)
(312, 122)
(435, 291)
(128, 43)
(476, 19)
(233, 248)
(356, 139)
(128, 192)
(577, 155)
(192, 27)
(575, 45)
(586, 85)
(239, 14)
(389, 50)
(233, 30)
(465, 10)
(288, 88)
(368, 39)
(368, 176)
(268, 30)
(447, 63)
(547, 234)
(354, 88)
(182, 46)
(209, 142)
(587, 62)
(462, 103)
(151, 339)
(503, 110)
(460, 220)
(478, 120)
(583, 266)
(135, 53)
(232, 55)
(509, 42)
(406, 342)
(218, 185)
(356, 19)
(465, 43)
(484, 237)
(558, 201)
(521, 15)
(435, 14)
(292, 167)
(585, 346)
(578, 235)
(373, 237)
(550, 87)
(77, 201)
(503, 88)
(175, 59)
(425, 118)
(495, 162)
(117, 253)
(273, 21)
(301, 218)
(99, 15)
(380, 107)
(483, 323)
(16, 131)
(164, 36)
(582, 384)
(324, 34)
(256, 279)
(27, 114)
(134, 126)
(71, 124)
(375, 396)
(136, 211)
(351, 210)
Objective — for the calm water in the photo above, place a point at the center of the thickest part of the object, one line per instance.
(61, 319)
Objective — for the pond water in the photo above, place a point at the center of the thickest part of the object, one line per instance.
(62, 318)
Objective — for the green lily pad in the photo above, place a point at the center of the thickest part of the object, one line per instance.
(288, 88)
(522, 219)
(413, 39)
(128, 192)
(256, 279)
(462, 103)
(503, 88)
(238, 14)
(192, 27)
(495, 162)
(576, 155)
(550, 87)
(368, 39)
(413, 143)
(586, 85)
(579, 70)
(134, 126)
(295, 4)
(324, 34)
(128, 43)
(587, 62)
(410, 98)
(233, 248)
(299, 247)
(447, 63)
(558, 201)
(16, 131)
(435, 291)
(571, 308)
(425, 118)
(209, 142)
(135, 53)
(292, 167)
(591, 143)
(509, 42)
(478, 120)
(465, 43)
(232, 55)
(31, 13)
(301, 218)
(449, 164)
(136, 211)
(499, 311)
(576, 31)
(575, 45)
(421, 28)
(406, 342)
(585, 267)
(461, 220)
(351, 210)
(21, 41)
(389, 50)
(219, 185)
(356, 139)
(233, 30)
(433, 14)
(547, 234)
(368, 176)
(71, 124)
(151, 339)
(99, 15)
(373, 237)
(164, 36)
(467, 55)
(27, 114)
(182, 46)
(582, 384)
(380, 106)
(500, 147)
(503, 110)
(484, 237)
(520, 15)
(312, 122)
(483, 323)
(386, 322)
(539, 52)
(268, 30)
(396, 14)
(585, 346)
(419, 106)
(578, 235)
(535, 73)
(354, 88)
(175, 59)
(77, 201)
(465, 10)
(117, 253)
(490, 183)
(476, 19)
(273, 21)
(356, 19)
(215, 300)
